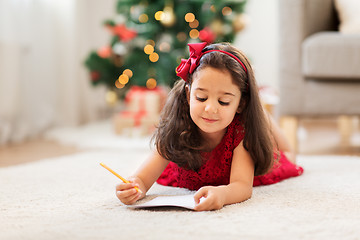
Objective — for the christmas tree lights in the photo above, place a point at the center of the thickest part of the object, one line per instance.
(149, 38)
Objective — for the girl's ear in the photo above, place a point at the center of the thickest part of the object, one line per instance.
(239, 109)
(187, 89)
(241, 106)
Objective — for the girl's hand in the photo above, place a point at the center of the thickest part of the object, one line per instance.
(209, 198)
(126, 192)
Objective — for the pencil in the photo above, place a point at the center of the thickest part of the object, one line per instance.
(122, 179)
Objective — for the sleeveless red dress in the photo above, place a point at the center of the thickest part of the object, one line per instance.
(216, 169)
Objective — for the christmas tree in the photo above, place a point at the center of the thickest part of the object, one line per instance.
(149, 38)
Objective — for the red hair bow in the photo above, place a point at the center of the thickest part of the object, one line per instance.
(187, 66)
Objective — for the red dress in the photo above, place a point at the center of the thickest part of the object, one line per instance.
(216, 169)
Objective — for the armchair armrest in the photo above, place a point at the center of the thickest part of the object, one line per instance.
(307, 17)
(299, 19)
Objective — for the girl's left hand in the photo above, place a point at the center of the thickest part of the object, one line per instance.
(209, 198)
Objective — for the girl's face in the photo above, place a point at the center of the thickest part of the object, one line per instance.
(214, 99)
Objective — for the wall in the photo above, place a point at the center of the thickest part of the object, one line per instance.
(259, 40)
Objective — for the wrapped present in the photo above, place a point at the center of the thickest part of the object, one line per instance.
(144, 100)
(269, 98)
(142, 110)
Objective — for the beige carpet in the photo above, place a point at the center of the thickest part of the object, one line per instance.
(73, 197)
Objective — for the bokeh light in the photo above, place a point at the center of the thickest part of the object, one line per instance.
(111, 97)
(128, 72)
(148, 49)
(189, 17)
(194, 24)
(226, 11)
(159, 15)
(194, 34)
(119, 85)
(151, 83)
(181, 36)
(143, 18)
(150, 42)
(165, 47)
(154, 57)
(123, 79)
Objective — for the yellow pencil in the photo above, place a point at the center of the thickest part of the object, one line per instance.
(122, 179)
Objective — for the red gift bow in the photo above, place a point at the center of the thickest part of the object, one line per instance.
(187, 66)
(124, 34)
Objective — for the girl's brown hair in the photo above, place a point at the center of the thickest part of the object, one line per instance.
(178, 139)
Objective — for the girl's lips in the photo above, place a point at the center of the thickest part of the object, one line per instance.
(209, 120)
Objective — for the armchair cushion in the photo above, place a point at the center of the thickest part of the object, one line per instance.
(331, 55)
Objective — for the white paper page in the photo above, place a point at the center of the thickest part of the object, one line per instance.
(184, 201)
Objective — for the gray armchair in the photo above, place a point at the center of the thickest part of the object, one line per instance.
(319, 66)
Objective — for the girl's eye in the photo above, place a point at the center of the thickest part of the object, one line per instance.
(224, 103)
(201, 99)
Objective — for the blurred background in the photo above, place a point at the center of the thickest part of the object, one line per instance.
(65, 65)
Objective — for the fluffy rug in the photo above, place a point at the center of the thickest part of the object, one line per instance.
(73, 197)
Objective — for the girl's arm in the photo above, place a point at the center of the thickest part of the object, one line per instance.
(239, 189)
(144, 178)
(151, 170)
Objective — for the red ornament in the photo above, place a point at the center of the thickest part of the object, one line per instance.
(104, 52)
(94, 75)
(206, 35)
(124, 34)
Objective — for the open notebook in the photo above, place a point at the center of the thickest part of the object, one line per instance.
(183, 201)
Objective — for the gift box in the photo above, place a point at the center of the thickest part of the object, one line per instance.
(269, 99)
(142, 111)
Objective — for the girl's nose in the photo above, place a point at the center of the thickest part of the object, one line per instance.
(211, 107)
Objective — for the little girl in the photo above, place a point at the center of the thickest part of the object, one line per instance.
(214, 135)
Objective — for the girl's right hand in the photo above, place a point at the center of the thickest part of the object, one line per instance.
(127, 193)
